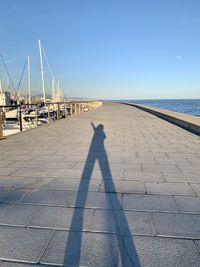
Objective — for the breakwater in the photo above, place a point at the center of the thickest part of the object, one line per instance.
(188, 122)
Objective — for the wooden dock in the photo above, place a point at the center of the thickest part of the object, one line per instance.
(116, 186)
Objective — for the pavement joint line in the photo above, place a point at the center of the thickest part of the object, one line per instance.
(179, 237)
(28, 191)
(153, 224)
(193, 191)
(178, 209)
(29, 263)
(33, 215)
(42, 253)
(54, 230)
(197, 247)
(18, 261)
(13, 225)
(97, 208)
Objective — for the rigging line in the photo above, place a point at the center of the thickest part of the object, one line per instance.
(50, 70)
(21, 76)
(8, 73)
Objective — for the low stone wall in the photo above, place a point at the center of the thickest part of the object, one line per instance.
(188, 122)
(94, 104)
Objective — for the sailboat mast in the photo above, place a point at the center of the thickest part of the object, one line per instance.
(58, 93)
(42, 71)
(1, 89)
(53, 89)
(29, 81)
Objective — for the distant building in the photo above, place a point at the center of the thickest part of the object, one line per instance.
(5, 98)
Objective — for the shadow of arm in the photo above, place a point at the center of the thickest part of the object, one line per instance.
(93, 126)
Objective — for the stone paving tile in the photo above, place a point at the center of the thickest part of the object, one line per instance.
(122, 222)
(115, 159)
(75, 173)
(88, 166)
(33, 182)
(12, 194)
(164, 188)
(184, 162)
(58, 164)
(22, 244)
(20, 157)
(196, 188)
(122, 154)
(3, 156)
(152, 155)
(73, 184)
(5, 163)
(82, 249)
(115, 175)
(181, 155)
(143, 176)
(16, 214)
(159, 252)
(160, 167)
(183, 225)
(149, 203)
(71, 173)
(80, 158)
(96, 200)
(192, 168)
(181, 177)
(17, 152)
(188, 203)
(23, 163)
(62, 218)
(104, 221)
(10, 181)
(66, 173)
(125, 166)
(15, 264)
(140, 160)
(30, 172)
(44, 154)
(54, 197)
(122, 187)
(194, 161)
(197, 242)
(5, 171)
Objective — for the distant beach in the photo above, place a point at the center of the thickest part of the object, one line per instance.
(188, 106)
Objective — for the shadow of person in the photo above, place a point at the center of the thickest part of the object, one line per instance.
(127, 255)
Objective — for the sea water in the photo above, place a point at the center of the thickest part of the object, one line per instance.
(189, 106)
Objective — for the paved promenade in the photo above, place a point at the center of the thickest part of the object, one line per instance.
(112, 187)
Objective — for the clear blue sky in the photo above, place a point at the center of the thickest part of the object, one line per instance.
(112, 49)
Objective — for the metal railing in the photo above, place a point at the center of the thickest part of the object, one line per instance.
(1, 128)
(33, 115)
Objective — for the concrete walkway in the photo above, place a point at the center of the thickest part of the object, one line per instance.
(113, 187)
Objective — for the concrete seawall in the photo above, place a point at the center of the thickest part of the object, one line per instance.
(188, 122)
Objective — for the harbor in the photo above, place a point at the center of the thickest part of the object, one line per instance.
(18, 118)
(24, 111)
(99, 133)
(115, 186)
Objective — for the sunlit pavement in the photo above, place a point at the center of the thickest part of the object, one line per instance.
(112, 187)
